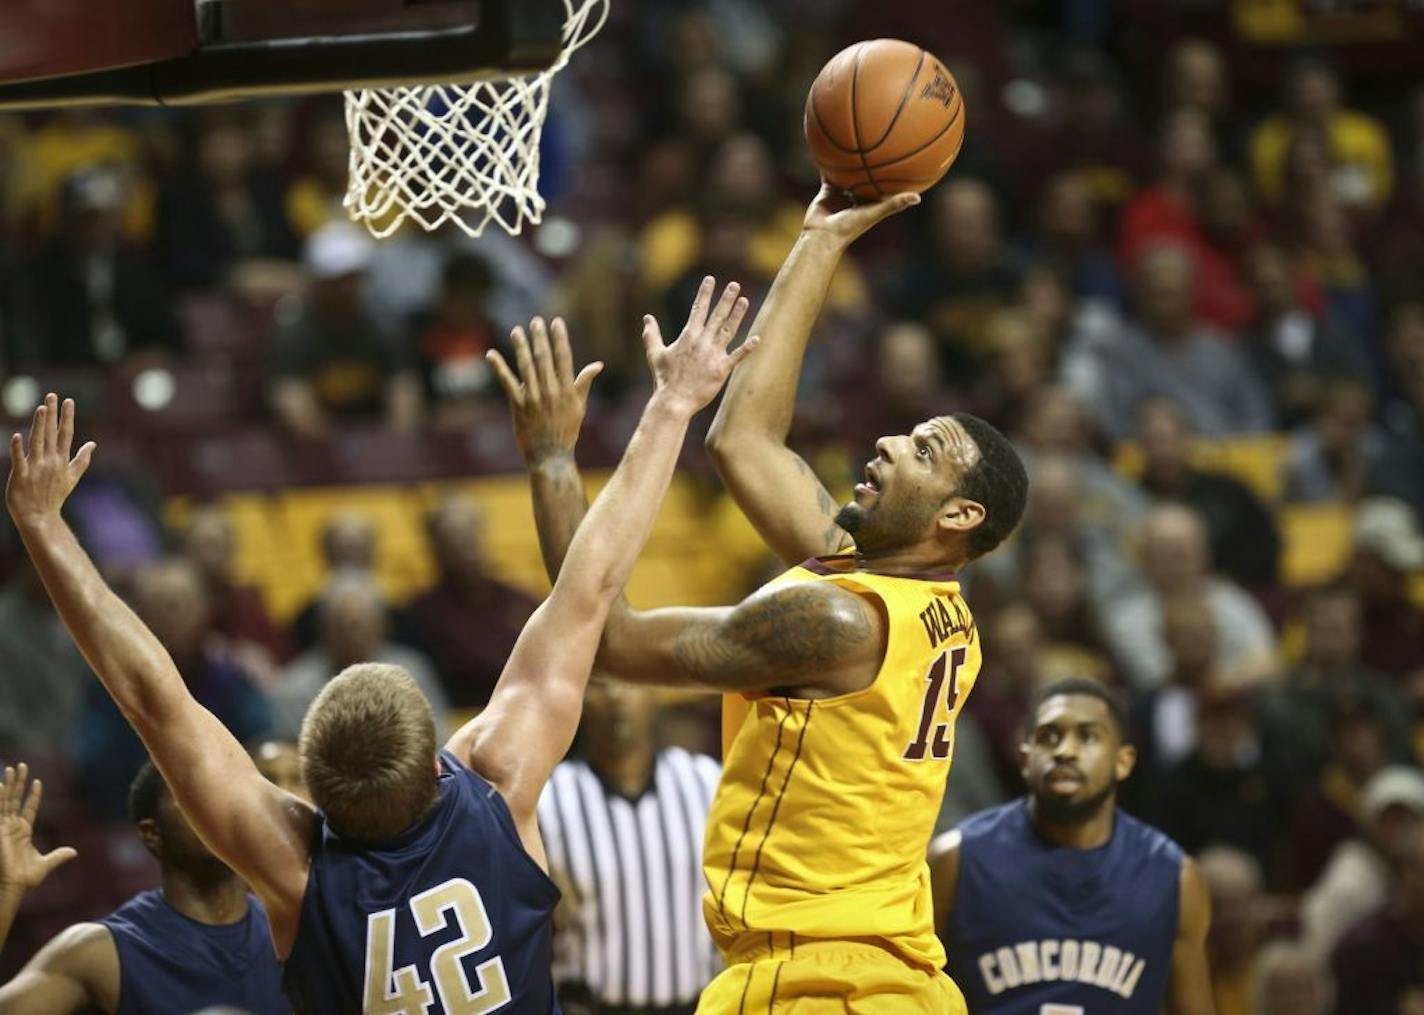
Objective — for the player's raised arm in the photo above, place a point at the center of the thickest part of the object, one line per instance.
(772, 484)
(537, 703)
(258, 830)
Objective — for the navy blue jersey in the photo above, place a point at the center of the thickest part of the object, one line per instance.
(1035, 924)
(169, 962)
(451, 916)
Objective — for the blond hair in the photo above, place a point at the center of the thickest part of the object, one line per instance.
(368, 752)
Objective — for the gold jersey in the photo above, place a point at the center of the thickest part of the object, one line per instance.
(826, 807)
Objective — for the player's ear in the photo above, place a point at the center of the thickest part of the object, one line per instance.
(150, 836)
(1023, 758)
(960, 514)
(1126, 761)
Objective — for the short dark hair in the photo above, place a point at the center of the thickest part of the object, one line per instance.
(1074, 686)
(998, 481)
(146, 793)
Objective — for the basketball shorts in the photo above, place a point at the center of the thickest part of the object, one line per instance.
(827, 978)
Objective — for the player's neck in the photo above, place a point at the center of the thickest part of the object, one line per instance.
(217, 902)
(908, 562)
(1089, 834)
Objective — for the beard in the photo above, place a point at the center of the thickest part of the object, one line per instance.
(850, 518)
(1071, 812)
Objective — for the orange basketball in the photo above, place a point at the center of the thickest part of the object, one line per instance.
(883, 117)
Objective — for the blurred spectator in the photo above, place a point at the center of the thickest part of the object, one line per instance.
(1338, 454)
(1197, 79)
(1330, 259)
(1175, 562)
(89, 295)
(331, 360)
(1166, 353)
(223, 211)
(907, 385)
(1222, 792)
(467, 622)
(238, 612)
(1294, 350)
(453, 337)
(1070, 241)
(1364, 164)
(280, 764)
(1381, 957)
(72, 142)
(1245, 544)
(1020, 360)
(1054, 585)
(1054, 423)
(354, 629)
(1361, 875)
(314, 198)
(1403, 412)
(966, 275)
(43, 678)
(1388, 550)
(170, 597)
(1056, 510)
(1290, 980)
(1230, 227)
(1298, 711)
(1178, 210)
(1166, 717)
(1014, 670)
(1238, 926)
(636, 812)
(1327, 812)
(348, 542)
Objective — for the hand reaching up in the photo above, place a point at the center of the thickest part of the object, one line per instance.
(691, 370)
(22, 867)
(43, 476)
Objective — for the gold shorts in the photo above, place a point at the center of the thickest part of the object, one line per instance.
(827, 978)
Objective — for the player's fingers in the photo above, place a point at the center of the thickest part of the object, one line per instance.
(57, 858)
(66, 426)
(51, 421)
(512, 388)
(525, 360)
(7, 789)
(17, 454)
(544, 356)
(733, 323)
(37, 430)
(892, 205)
(31, 805)
(723, 309)
(563, 355)
(652, 336)
(698, 314)
(80, 465)
(584, 381)
(744, 350)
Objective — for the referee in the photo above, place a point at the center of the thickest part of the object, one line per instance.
(623, 831)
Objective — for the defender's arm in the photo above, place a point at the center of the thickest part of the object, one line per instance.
(79, 968)
(772, 484)
(254, 827)
(944, 877)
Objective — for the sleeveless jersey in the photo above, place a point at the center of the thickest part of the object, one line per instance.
(1035, 925)
(451, 916)
(820, 824)
(169, 962)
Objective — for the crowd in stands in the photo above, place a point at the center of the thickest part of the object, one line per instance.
(1153, 258)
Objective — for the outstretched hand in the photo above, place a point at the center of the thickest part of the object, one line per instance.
(834, 214)
(22, 867)
(546, 400)
(43, 477)
(693, 369)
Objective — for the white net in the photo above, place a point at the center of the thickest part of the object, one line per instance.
(461, 153)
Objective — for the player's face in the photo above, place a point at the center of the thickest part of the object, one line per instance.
(1074, 757)
(908, 484)
(177, 846)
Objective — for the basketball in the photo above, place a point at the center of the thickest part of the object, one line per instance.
(883, 117)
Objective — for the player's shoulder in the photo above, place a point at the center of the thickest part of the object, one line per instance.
(1149, 839)
(994, 822)
(79, 948)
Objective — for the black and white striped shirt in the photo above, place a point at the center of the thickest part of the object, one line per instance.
(631, 871)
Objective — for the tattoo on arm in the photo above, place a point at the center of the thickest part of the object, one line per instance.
(834, 537)
(775, 638)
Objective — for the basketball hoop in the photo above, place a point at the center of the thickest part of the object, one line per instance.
(461, 153)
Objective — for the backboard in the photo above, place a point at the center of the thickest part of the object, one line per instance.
(188, 52)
